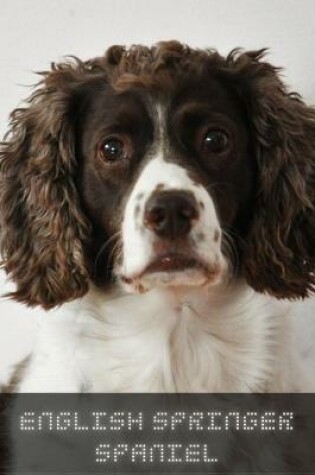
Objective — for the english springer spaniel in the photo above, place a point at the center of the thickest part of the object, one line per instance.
(161, 201)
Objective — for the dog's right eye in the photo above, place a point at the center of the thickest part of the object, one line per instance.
(115, 148)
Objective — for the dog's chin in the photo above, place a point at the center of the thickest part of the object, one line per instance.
(173, 271)
(176, 278)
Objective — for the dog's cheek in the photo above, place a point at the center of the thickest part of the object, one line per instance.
(207, 234)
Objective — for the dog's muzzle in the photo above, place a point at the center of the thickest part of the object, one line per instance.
(171, 233)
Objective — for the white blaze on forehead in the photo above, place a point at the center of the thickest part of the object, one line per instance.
(160, 127)
(158, 171)
(137, 239)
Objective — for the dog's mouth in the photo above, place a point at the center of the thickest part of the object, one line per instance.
(174, 269)
(174, 262)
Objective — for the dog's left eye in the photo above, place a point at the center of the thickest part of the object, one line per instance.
(214, 141)
(114, 148)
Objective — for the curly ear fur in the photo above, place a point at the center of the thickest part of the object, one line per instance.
(43, 229)
(280, 256)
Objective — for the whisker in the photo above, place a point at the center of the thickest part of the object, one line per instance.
(213, 185)
(103, 248)
(229, 248)
(114, 255)
(233, 233)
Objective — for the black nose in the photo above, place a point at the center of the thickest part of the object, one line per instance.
(170, 214)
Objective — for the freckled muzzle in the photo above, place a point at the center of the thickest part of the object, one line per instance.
(171, 233)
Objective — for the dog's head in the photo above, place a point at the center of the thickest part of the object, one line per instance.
(159, 166)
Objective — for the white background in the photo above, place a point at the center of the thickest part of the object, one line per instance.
(35, 32)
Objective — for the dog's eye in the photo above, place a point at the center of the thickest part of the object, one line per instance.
(114, 148)
(214, 141)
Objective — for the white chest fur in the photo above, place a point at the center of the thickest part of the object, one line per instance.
(160, 342)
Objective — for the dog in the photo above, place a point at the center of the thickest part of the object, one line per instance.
(158, 202)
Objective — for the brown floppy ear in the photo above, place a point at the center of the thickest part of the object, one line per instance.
(280, 256)
(43, 230)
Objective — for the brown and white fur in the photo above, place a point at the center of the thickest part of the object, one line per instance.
(159, 202)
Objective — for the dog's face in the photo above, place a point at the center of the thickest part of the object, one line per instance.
(163, 175)
(162, 166)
